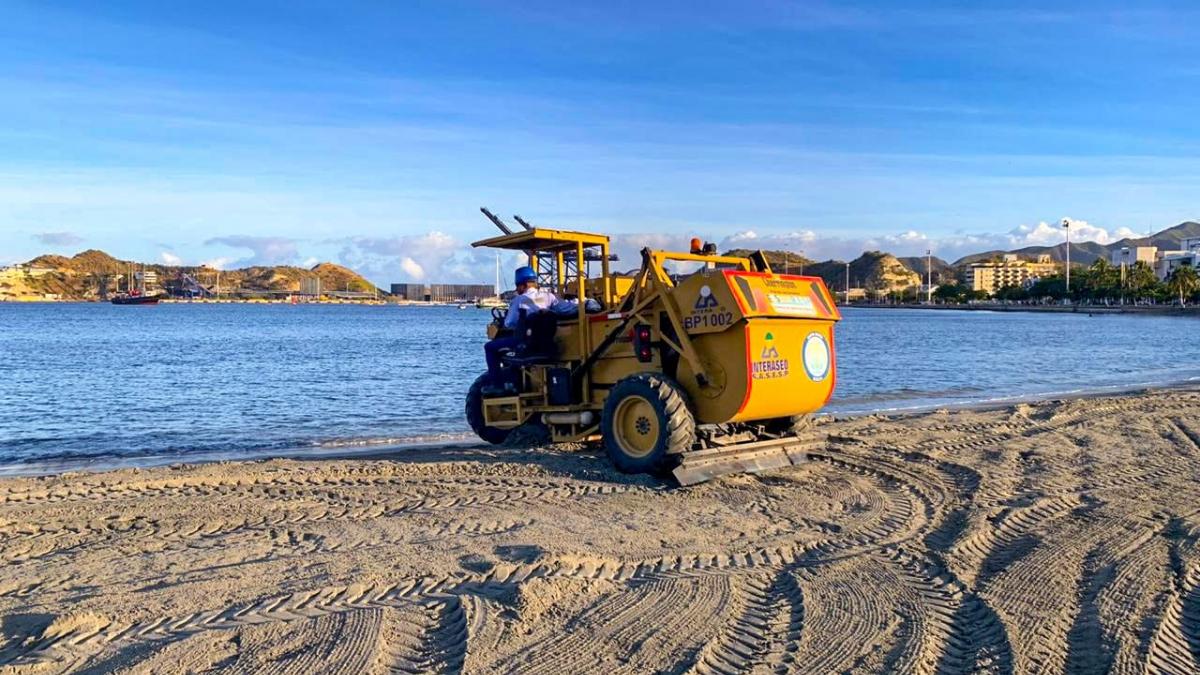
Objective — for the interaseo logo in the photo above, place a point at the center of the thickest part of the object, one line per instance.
(769, 366)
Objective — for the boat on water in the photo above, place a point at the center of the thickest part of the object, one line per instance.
(138, 295)
(135, 298)
(488, 303)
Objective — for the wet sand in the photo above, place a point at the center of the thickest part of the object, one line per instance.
(1049, 537)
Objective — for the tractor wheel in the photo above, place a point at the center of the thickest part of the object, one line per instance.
(646, 422)
(475, 413)
(796, 425)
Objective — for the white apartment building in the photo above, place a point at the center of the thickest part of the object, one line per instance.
(1009, 271)
(1169, 261)
(1128, 255)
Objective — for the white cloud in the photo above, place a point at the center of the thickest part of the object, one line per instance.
(439, 257)
(413, 269)
(913, 242)
(311, 262)
(169, 258)
(1045, 234)
(264, 250)
(221, 263)
(788, 240)
(434, 256)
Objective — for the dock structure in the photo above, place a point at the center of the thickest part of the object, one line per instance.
(418, 292)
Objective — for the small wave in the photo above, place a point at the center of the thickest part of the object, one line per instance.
(420, 439)
(107, 460)
(907, 393)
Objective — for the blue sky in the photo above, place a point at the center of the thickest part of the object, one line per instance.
(370, 133)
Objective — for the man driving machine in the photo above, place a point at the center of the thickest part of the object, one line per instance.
(530, 299)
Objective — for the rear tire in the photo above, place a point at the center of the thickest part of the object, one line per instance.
(646, 423)
(475, 413)
(795, 425)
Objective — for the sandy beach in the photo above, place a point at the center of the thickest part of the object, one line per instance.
(1051, 537)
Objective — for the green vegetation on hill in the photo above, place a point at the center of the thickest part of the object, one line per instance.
(80, 277)
(876, 271)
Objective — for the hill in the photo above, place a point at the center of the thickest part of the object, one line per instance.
(1082, 253)
(943, 272)
(780, 261)
(81, 277)
(1087, 252)
(1167, 240)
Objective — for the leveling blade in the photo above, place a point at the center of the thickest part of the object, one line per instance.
(704, 465)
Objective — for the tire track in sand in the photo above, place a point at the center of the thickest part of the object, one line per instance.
(49, 541)
(763, 634)
(1175, 647)
(956, 630)
(433, 640)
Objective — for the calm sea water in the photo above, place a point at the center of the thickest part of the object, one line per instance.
(91, 383)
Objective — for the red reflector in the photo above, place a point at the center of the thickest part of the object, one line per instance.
(641, 343)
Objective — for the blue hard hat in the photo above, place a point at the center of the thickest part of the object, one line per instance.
(525, 274)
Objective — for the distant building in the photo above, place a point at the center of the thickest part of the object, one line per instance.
(310, 286)
(990, 277)
(1191, 244)
(1169, 261)
(409, 291)
(149, 278)
(1128, 255)
(443, 292)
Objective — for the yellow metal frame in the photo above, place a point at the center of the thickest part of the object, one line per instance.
(537, 241)
(542, 239)
(651, 288)
(657, 258)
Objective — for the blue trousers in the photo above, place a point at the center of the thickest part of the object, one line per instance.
(492, 350)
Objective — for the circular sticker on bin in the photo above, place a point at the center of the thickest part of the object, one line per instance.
(816, 357)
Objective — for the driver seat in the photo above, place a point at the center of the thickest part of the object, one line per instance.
(537, 340)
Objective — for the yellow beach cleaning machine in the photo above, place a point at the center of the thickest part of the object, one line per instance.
(697, 364)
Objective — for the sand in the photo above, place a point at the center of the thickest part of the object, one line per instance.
(1062, 536)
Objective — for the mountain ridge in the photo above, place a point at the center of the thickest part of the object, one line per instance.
(79, 277)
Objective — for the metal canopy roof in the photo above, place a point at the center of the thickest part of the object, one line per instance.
(539, 239)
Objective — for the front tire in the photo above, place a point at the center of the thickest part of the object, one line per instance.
(646, 422)
(475, 413)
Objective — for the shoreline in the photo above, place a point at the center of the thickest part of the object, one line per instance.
(367, 451)
(1150, 310)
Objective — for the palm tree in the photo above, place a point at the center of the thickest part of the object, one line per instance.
(1184, 282)
(1141, 279)
(1101, 279)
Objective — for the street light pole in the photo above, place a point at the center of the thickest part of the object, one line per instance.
(929, 276)
(801, 262)
(1066, 223)
(847, 283)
